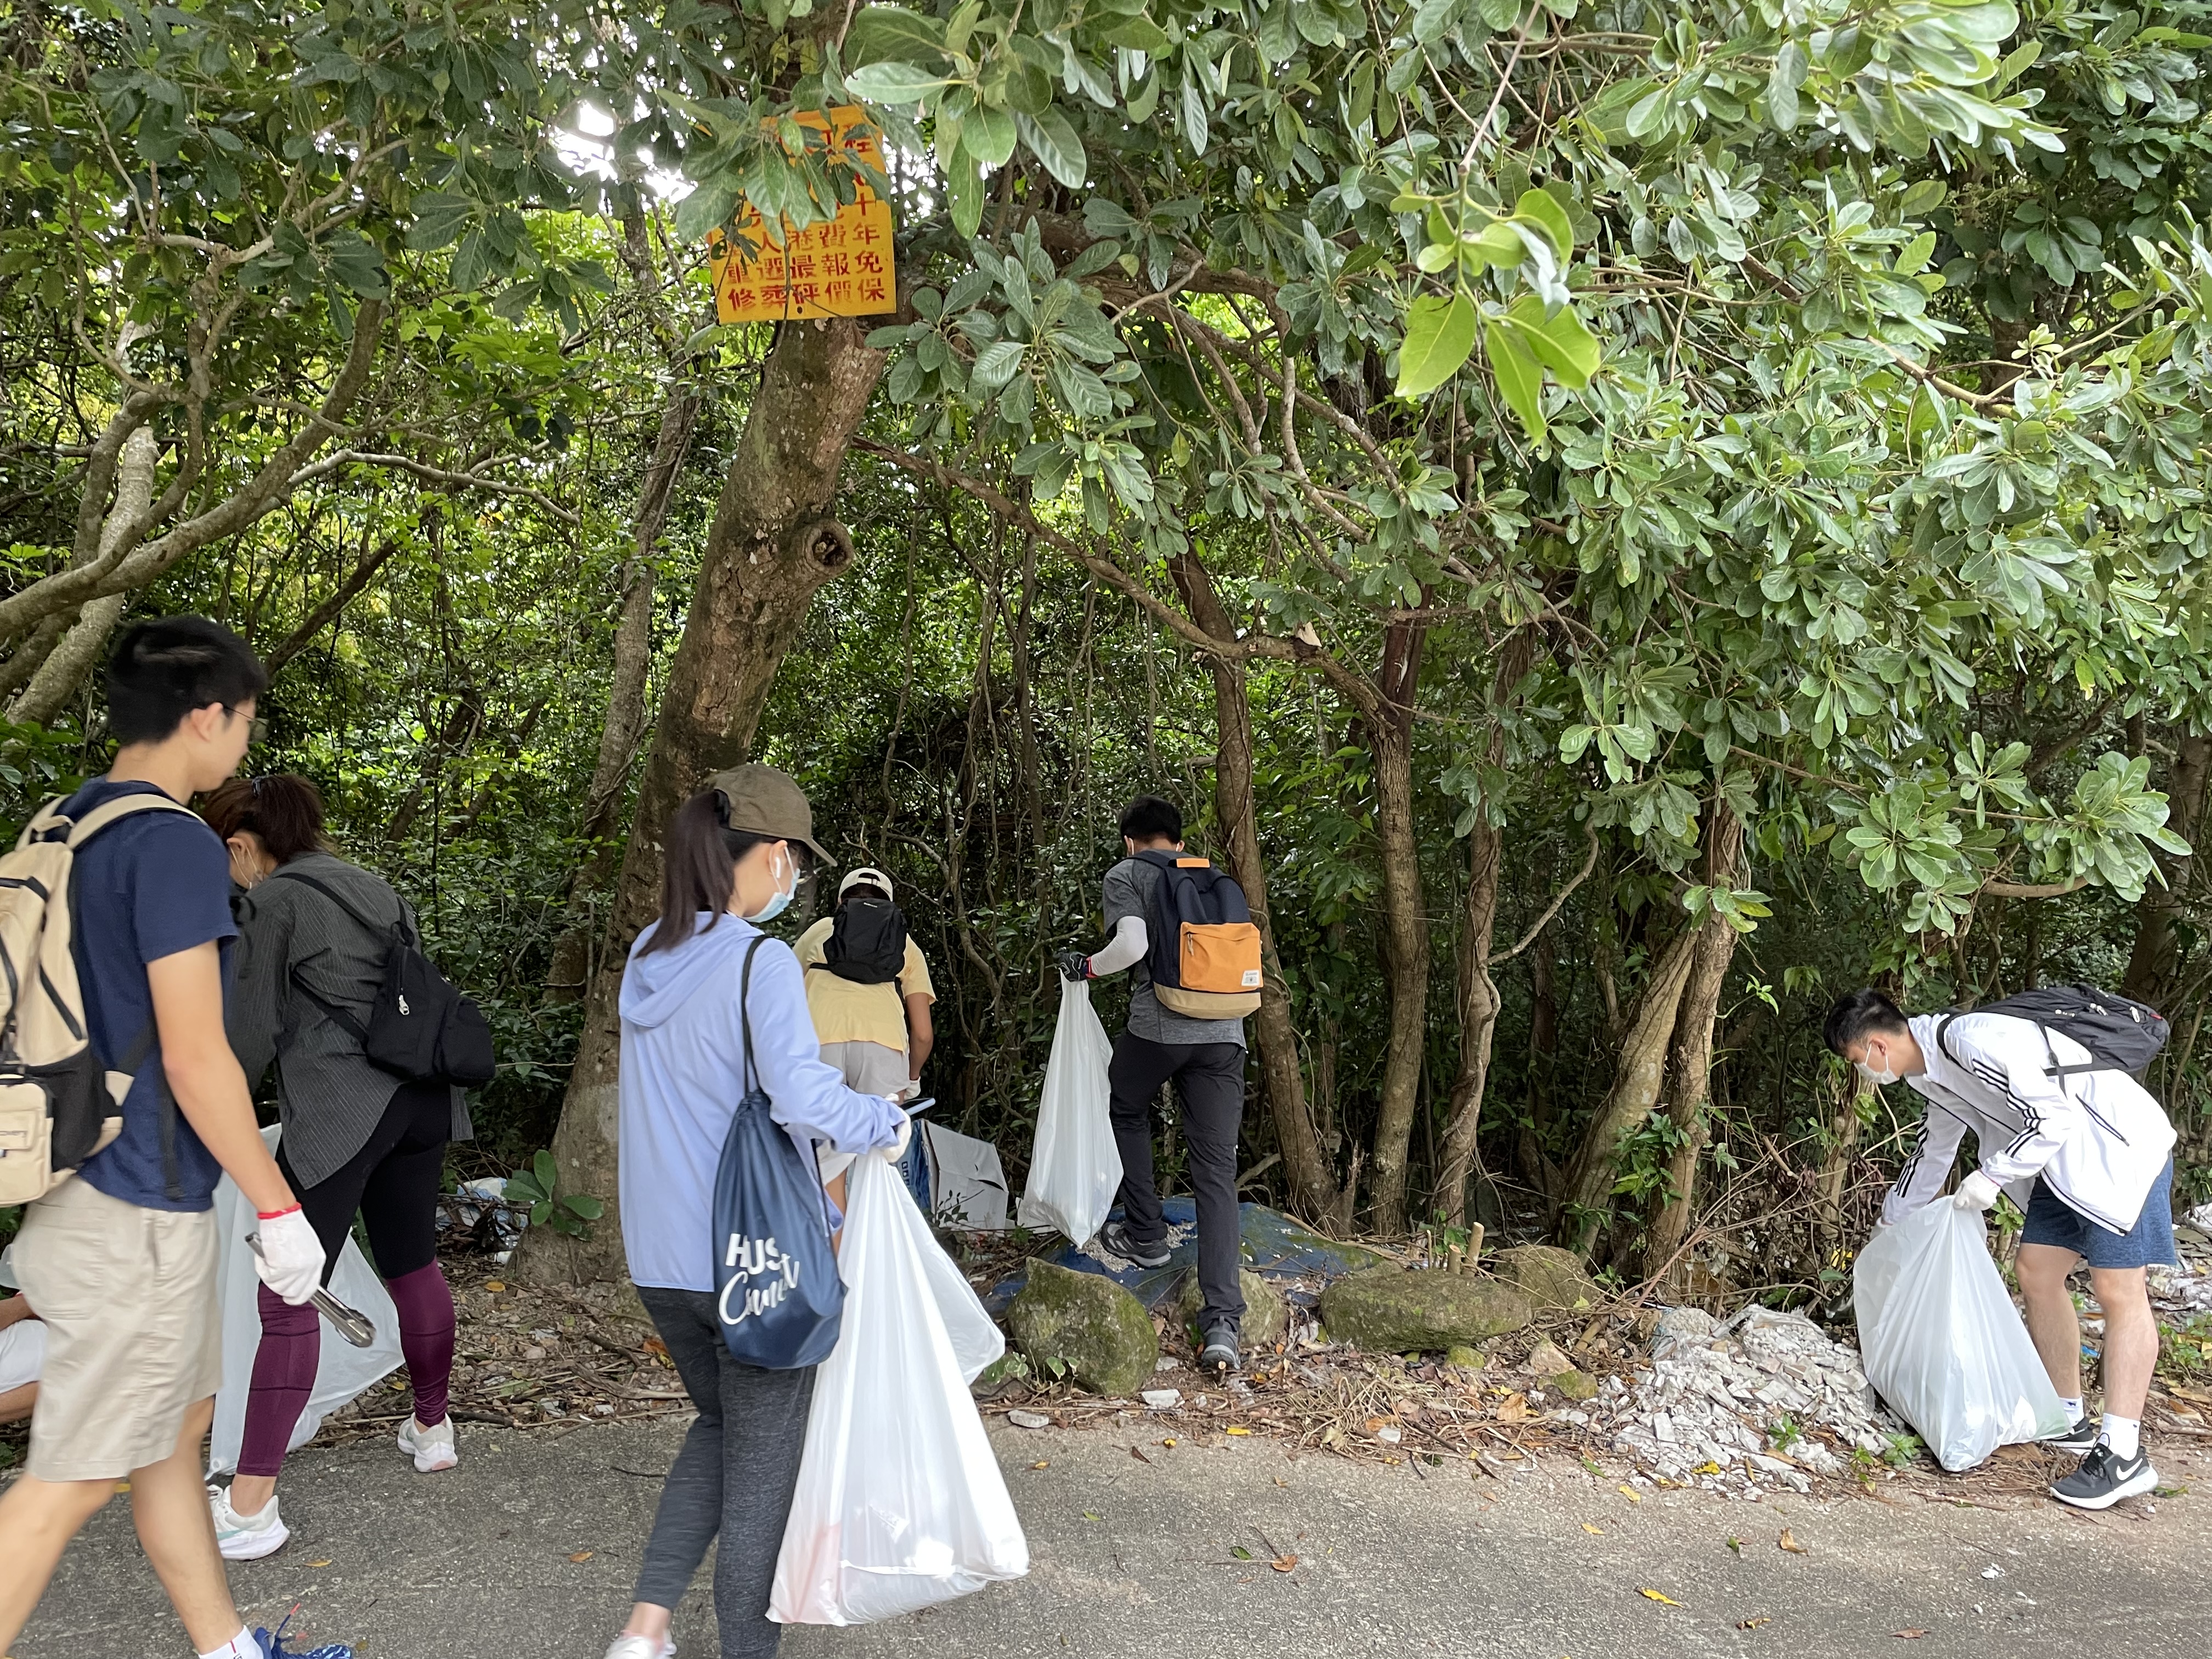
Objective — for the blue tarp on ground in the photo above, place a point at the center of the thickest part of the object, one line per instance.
(1299, 1259)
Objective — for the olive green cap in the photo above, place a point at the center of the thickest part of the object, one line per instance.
(763, 801)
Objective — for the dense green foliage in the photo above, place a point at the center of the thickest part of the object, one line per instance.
(1722, 481)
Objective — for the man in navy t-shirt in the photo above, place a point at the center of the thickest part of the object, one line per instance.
(119, 1261)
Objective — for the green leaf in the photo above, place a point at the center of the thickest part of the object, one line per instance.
(586, 1206)
(1439, 335)
(882, 32)
(989, 136)
(547, 1172)
(439, 219)
(1520, 377)
(1053, 141)
(893, 83)
(1139, 34)
(1539, 209)
(1561, 342)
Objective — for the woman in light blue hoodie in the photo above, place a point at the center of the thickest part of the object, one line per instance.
(734, 853)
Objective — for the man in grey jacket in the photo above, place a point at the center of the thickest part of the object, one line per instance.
(2086, 1153)
(1205, 1058)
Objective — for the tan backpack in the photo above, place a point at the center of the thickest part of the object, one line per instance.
(58, 1104)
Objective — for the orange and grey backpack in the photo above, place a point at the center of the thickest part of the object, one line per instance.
(1203, 955)
(58, 1105)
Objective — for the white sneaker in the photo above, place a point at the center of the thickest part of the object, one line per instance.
(640, 1647)
(432, 1448)
(245, 1538)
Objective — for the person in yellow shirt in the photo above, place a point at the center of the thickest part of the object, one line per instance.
(868, 989)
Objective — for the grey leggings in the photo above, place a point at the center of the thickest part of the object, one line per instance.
(733, 1475)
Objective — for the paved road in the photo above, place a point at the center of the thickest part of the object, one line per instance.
(1135, 1558)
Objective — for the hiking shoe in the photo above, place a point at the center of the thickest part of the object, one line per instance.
(2104, 1477)
(1219, 1353)
(640, 1647)
(245, 1538)
(1115, 1236)
(432, 1448)
(2080, 1439)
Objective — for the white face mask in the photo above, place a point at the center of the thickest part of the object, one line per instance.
(787, 889)
(1874, 1076)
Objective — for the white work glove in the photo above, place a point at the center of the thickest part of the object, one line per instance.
(1977, 1193)
(291, 1259)
(897, 1149)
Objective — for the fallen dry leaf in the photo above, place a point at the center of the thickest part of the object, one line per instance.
(1133, 1452)
(324, 1563)
(1655, 1595)
(1908, 1635)
(1237, 1429)
(1514, 1408)
(1284, 1563)
(581, 1556)
(1596, 1532)
(1042, 1463)
(493, 1286)
(1170, 1441)
(1754, 1622)
(1631, 1494)
(1376, 1424)
(1789, 1541)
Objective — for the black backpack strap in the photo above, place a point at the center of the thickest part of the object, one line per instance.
(339, 1016)
(333, 895)
(745, 1012)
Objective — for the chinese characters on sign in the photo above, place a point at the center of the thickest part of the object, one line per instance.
(841, 268)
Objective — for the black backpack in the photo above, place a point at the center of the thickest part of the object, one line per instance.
(2121, 1034)
(867, 943)
(420, 1028)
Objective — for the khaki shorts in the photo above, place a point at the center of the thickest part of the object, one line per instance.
(869, 1067)
(133, 1339)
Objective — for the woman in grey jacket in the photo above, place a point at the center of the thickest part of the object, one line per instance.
(308, 967)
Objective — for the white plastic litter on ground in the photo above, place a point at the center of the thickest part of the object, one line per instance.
(1765, 1400)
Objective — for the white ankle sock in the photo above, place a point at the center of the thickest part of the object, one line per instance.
(2123, 1434)
(241, 1646)
(2072, 1403)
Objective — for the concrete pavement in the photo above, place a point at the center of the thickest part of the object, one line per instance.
(527, 1550)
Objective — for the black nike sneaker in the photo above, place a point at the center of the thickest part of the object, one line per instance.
(2080, 1439)
(2104, 1477)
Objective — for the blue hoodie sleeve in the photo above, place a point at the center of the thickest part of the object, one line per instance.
(805, 1094)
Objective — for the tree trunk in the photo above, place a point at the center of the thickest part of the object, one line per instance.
(625, 720)
(1479, 1000)
(773, 545)
(2151, 964)
(1689, 1081)
(1635, 1091)
(1306, 1164)
(78, 647)
(1405, 926)
(1535, 1164)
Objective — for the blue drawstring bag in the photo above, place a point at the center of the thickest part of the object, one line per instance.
(777, 1294)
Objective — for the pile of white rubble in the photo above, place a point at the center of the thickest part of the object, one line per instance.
(1743, 1405)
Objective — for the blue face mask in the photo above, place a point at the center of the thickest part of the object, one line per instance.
(784, 893)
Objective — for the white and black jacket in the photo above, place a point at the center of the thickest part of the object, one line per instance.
(2097, 1139)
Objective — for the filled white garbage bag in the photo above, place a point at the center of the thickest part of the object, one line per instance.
(900, 1503)
(1075, 1170)
(342, 1372)
(1942, 1343)
(967, 1183)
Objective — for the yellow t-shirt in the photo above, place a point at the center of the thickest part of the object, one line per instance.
(847, 1012)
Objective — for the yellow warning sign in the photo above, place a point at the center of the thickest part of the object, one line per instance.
(841, 269)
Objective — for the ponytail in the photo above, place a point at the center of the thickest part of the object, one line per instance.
(699, 868)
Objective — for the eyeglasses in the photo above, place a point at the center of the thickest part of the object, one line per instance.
(257, 727)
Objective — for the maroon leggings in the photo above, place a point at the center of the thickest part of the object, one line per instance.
(392, 1184)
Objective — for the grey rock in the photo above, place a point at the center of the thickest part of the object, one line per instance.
(1266, 1316)
(1392, 1310)
(1553, 1277)
(1090, 1324)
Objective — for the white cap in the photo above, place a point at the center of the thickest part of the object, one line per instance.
(866, 875)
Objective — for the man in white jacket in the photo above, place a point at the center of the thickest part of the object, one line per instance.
(2086, 1153)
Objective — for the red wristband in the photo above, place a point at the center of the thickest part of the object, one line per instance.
(270, 1215)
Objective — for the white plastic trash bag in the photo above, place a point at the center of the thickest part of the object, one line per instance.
(1075, 1169)
(1943, 1342)
(343, 1371)
(900, 1503)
